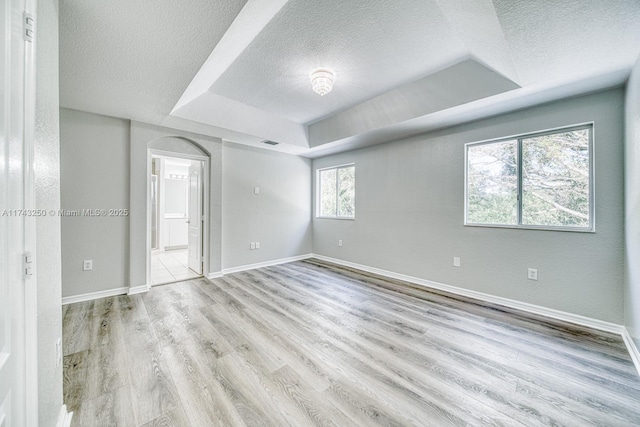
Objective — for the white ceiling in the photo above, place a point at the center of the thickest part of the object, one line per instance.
(365, 53)
(239, 69)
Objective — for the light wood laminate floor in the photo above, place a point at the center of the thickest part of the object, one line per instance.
(310, 343)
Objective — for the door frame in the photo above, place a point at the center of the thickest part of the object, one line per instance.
(31, 284)
(204, 235)
(22, 331)
(199, 217)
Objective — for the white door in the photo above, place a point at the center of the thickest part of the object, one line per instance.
(195, 217)
(12, 226)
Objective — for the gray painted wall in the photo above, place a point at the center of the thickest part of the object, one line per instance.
(97, 173)
(410, 210)
(94, 160)
(410, 206)
(103, 166)
(144, 136)
(632, 204)
(279, 217)
(47, 189)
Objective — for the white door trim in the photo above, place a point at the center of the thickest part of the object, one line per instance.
(21, 334)
(206, 161)
(196, 264)
(31, 286)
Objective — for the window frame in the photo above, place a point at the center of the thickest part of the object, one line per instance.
(319, 191)
(519, 138)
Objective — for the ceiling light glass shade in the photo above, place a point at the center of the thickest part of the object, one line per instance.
(322, 81)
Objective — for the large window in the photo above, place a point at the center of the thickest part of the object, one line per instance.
(337, 192)
(542, 180)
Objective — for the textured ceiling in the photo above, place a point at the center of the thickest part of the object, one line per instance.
(239, 69)
(272, 74)
(133, 59)
(569, 40)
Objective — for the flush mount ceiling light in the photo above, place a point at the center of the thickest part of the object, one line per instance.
(322, 81)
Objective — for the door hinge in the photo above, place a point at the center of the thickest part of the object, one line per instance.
(28, 26)
(27, 265)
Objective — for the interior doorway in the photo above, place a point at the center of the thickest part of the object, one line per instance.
(177, 215)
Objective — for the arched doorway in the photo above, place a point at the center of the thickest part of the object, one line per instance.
(177, 210)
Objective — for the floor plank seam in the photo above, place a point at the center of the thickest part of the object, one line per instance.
(312, 343)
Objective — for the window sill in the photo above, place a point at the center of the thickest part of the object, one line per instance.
(336, 217)
(534, 227)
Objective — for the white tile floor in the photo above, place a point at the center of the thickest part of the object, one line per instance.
(170, 266)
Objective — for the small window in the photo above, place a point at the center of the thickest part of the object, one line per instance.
(337, 192)
(542, 180)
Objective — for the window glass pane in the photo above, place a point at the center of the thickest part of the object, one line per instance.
(328, 192)
(346, 192)
(492, 183)
(555, 179)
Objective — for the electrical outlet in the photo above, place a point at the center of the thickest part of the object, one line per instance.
(256, 190)
(339, 242)
(58, 352)
(87, 265)
(252, 246)
(456, 261)
(532, 274)
(257, 245)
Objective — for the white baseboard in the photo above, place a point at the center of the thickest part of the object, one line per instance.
(265, 264)
(531, 308)
(633, 349)
(64, 417)
(133, 290)
(144, 288)
(104, 294)
(506, 302)
(94, 295)
(634, 352)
